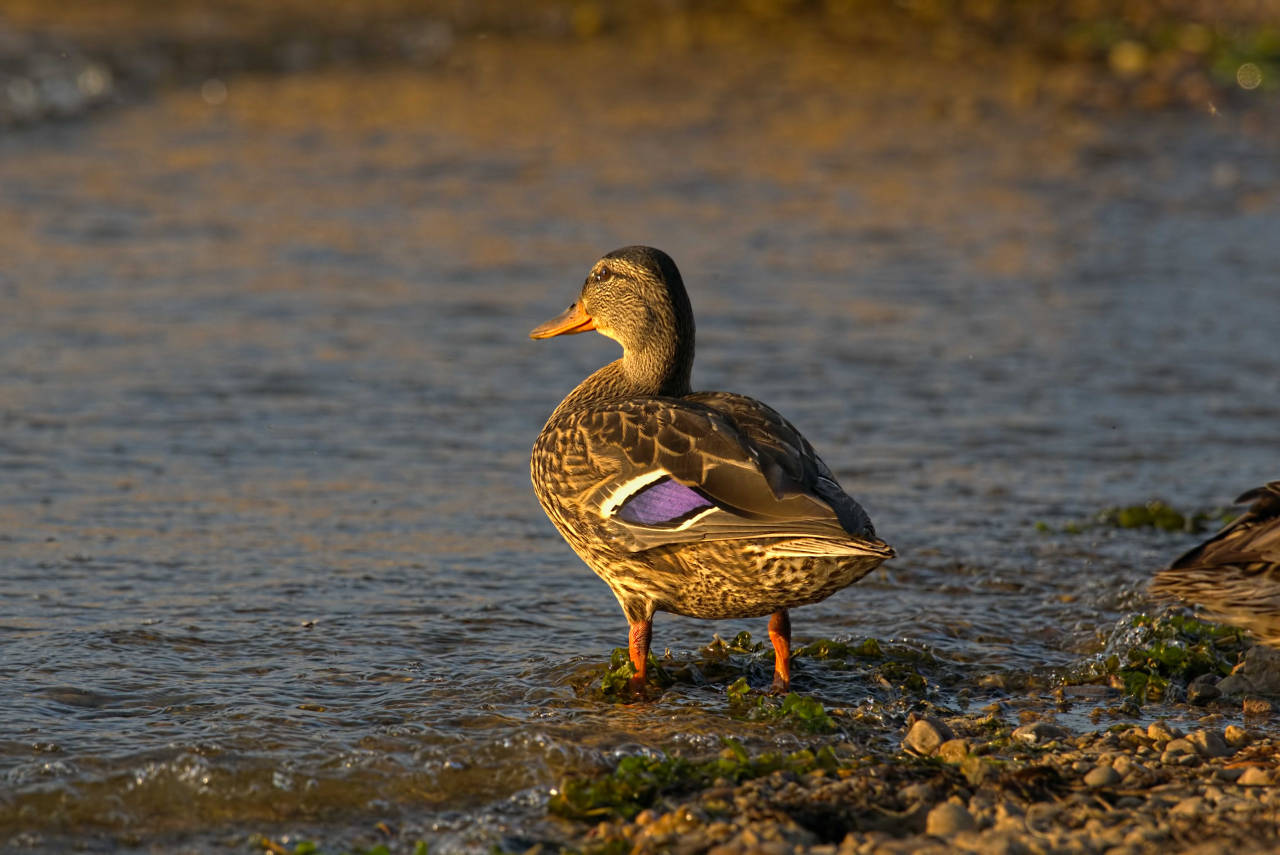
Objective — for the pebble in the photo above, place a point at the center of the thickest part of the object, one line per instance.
(1040, 732)
(949, 818)
(1254, 776)
(1209, 743)
(926, 736)
(1180, 752)
(954, 750)
(1236, 736)
(1102, 776)
(1190, 806)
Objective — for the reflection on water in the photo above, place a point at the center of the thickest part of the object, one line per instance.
(271, 555)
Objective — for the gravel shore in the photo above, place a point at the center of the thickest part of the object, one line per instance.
(972, 784)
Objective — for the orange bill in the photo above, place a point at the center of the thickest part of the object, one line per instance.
(572, 320)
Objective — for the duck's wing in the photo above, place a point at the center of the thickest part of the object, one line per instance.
(656, 471)
(1251, 543)
(790, 456)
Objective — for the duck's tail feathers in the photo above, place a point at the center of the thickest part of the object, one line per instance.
(823, 547)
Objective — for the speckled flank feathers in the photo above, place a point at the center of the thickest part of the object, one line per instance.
(705, 504)
(1234, 576)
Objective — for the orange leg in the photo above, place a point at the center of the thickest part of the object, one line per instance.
(780, 635)
(641, 632)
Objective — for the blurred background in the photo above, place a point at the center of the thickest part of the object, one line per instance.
(269, 558)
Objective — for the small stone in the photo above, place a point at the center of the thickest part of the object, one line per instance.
(1229, 773)
(947, 819)
(1257, 706)
(1190, 806)
(1123, 765)
(645, 817)
(954, 750)
(1040, 732)
(1209, 743)
(1203, 689)
(1254, 776)
(1102, 776)
(1160, 731)
(926, 735)
(1237, 736)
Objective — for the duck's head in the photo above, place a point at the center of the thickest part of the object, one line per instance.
(636, 297)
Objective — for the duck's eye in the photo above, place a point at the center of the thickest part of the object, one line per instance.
(601, 274)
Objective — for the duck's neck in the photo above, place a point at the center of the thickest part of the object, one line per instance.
(663, 369)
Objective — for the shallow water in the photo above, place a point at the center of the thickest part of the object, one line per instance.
(271, 558)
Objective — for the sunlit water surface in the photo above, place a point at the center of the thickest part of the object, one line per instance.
(271, 561)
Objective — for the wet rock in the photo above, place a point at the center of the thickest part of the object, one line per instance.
(954, 750)
(1259, 673)
(1160, 731)
(926, 736)
(1040, 732)
(1203, 689)
(949, 818)
(1209, 743)
(1102, 776)
(1257, 706)
(1236, 736)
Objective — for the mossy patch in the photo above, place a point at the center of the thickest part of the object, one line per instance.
(1155, 514)
(637, 782)
(723, 662)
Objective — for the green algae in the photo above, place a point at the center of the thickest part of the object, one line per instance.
(1164, 651)
(615, 682)
(800, 711)
(310, 847)
(639, 781)
(824, 649)
(1156, 514)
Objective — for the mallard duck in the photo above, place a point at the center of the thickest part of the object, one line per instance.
(1235, 575)
(705, 504)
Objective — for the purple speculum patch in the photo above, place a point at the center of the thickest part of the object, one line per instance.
(662, 503)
